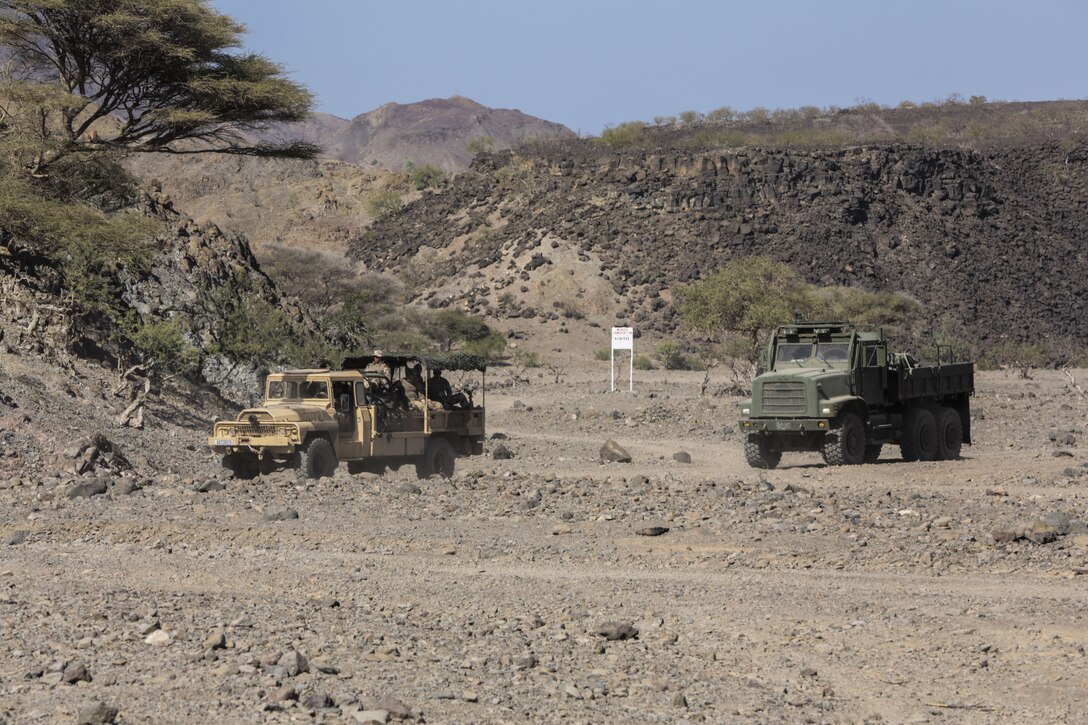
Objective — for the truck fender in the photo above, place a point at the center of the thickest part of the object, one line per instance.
(842, 403)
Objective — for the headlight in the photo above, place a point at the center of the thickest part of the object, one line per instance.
(826, 411)
(746, 411)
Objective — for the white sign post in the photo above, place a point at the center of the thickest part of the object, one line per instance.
(623, 338)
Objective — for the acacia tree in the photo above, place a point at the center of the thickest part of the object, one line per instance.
(143, 75)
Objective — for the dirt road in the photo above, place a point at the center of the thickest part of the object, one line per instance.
(806, 593)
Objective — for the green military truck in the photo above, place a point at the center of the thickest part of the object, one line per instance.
(836, 388)
(360, 415)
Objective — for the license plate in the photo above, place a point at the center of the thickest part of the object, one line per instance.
(224, 442)
(781, 425)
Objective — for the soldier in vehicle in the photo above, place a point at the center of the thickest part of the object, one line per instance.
(378, 365)
(438, 388)
(415, 388)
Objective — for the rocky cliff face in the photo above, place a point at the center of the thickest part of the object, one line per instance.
(988, 238)
(190, 262)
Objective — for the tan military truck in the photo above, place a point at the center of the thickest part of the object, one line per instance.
(371, 414)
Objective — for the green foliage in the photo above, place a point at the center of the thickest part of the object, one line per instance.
(247, 326)
(164, 342)
(747, 295)
(859, 306)
(603, 353)
(527, 359)
(642, 362)
(320, 280)
(480, 145)
(144, 75)
(623, 136)
(424, 177)
(691, 118)
(751, 295)
(977, 100)
(673, 357)
(384, 203)
(451, 327)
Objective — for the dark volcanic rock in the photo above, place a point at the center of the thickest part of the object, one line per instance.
(614, 452)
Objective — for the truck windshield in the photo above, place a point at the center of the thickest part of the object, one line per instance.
(803, 353)
(315, 389)
(281, 389)
(794, 352)
(833, 352)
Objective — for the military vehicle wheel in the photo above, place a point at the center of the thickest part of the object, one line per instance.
(240, 466)
(758, 451)
(318, 458)
(919, 441)
(872, 452)
(848, 447)
(949, 434)
(438, 457)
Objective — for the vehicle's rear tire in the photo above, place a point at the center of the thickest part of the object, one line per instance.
(240, 466)
(848, 447)
(318, 458)
(872, 452)
(757, 450)
(949, 434)
(919, 441)
(438, 457)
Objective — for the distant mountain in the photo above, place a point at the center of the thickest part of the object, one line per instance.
(437, 132)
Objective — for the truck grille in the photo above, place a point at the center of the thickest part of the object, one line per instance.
(246, 430)
(784, 397)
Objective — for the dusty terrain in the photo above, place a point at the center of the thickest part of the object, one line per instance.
(871, 593)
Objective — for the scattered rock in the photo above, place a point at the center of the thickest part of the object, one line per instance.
(210, 485)
(284, 514)
(371, 716)
(124, 487)
(286, 693)
(95, 487)
(98, 713)
(294, 663)
(159, 638)
(396, 709)
(317, 701)
(19, 536)
(682, 457)
(501, 453)
(75, 672)
(652, 531)
(215, 640)
(409, 488)
(612, 451)
(616, 631)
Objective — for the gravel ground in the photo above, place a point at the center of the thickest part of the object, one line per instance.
(547, 586)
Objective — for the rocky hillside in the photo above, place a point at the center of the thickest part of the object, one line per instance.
(191, 266)
(436, 132)
(987, 238)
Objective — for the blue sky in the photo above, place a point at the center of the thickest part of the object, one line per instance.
(595, 63)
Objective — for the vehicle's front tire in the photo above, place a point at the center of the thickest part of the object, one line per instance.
(318, 458)
(949, 434)
(438, 457)
(848, 447)
(757, 450)
(919, 441)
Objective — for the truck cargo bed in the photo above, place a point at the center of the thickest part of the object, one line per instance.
(932, 381)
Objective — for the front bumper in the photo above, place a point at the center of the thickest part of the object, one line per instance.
(785, 425)
(260, 445)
